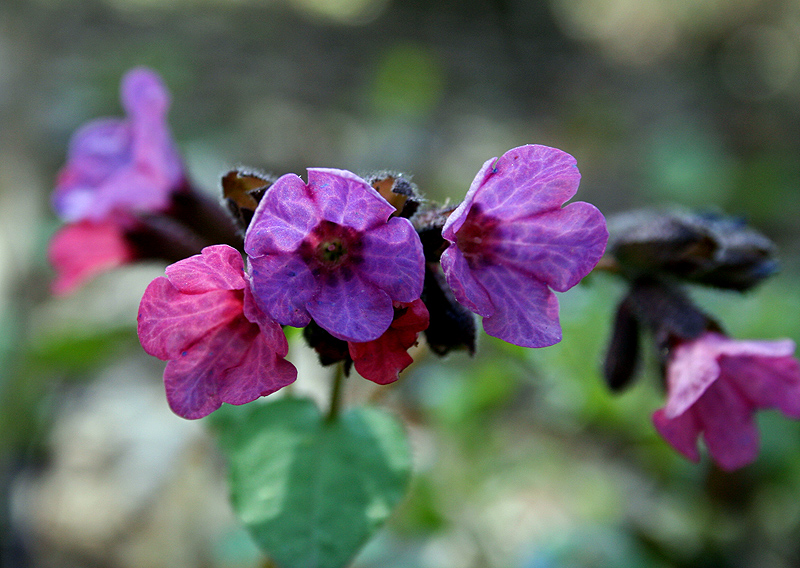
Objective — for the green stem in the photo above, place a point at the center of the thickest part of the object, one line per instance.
(336, 393)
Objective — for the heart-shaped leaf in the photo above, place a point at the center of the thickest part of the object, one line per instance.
(312, 491)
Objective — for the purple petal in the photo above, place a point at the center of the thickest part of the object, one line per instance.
(96, 152)
(347, 200)
(218, 267)
(692, 369)
(282, 286)
(393, 260)
(466, 288)
(459, 215)
(143, 94)
(169, 322)
(558, 247)
(526, 311)
(523, 182)
(767, 382)
(726, 419)
(284, 217)
(259, 373)
(351, 309)
(271, 331)
(681, 432)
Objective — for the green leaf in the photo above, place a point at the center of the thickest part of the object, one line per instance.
(310, 491)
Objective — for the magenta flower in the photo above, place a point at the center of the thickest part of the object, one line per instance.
(511, 241)
(128, 164)
(328, 250)
(202, 318)
(715, 385)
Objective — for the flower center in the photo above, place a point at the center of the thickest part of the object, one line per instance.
(330, 246)
(475, 236)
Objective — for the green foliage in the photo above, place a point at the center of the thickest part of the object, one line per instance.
(312, 491)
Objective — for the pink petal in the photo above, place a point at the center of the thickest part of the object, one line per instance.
(756, 348)
(260, 372)
(729, 430)
(526, 311)
(193, 377)
(692, 369)
(170, 322)
(768, 382)
(283, 218)
(465, 286)
(557, 247)
(347, 200)
(681, 432)
(351, 309)
(80, 251)
(282, 286)
(393, 260)
(217, 267)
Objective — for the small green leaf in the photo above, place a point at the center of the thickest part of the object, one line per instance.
(311, 492)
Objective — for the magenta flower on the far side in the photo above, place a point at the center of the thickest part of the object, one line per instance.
(330, 250)
(715, 385)
(125, 164)
(202, 318)
(512, 242)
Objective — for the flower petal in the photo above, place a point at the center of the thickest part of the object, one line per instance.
(526, 181)
(465, 286)
(217, 267)
(351, 309)
(80, 251)
(143, 94)
(393, 260)
(271, 332)
(260, 371)
(557, 247)
(347, 200)
(170, 322)
(283, 218)
(282, 286)
(692, 369)
(526, 311)
(768, 382)
(681, 432)
(729, 430)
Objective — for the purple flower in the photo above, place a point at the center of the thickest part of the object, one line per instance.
(715, 385)
(220, 346)
(511, 241)
(128, 164)
(328, 250)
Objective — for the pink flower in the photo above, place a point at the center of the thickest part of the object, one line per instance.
(80, 251)
(220, 346)
(128, 164)
(511, 241)
(382, 359)
(328, 250)
(715, 385)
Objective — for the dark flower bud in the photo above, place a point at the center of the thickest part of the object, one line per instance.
(452, 326)
(242, 191)
(622, 355)
(428, 222)
(704, 249)
(329, 349)
(397, 190)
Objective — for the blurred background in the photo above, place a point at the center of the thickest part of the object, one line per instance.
(522, 458)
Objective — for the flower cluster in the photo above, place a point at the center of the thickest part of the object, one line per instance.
(714, 384)
(364, 265)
